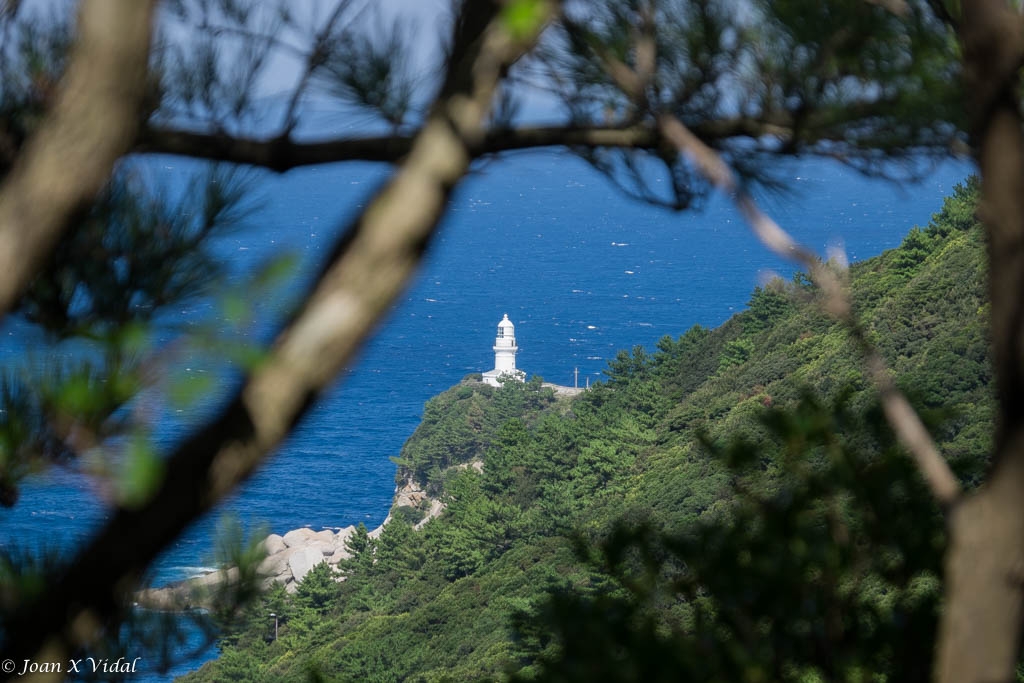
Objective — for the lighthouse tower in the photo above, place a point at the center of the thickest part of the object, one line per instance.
(505, 350)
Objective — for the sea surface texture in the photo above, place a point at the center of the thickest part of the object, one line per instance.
(581, 270)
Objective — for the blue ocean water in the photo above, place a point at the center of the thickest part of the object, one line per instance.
(579, 268)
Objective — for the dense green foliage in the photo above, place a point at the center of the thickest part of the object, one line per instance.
(728, 507)
(459, 425)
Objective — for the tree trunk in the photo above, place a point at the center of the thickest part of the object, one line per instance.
(979, 638)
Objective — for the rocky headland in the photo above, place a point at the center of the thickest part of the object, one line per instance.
(289, 557)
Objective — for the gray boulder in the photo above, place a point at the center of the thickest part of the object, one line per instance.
(297, 537)
(325, 536)
(339, 555)
(273, 544)
(277, 564)
(303, 560)
(326, 549)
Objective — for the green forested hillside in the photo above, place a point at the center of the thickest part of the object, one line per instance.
(728, 507)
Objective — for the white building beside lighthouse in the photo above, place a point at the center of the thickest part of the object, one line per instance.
(505, 350)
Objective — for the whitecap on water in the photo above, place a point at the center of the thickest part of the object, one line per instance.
(192, 572)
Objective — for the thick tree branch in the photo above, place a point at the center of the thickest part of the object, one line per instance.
(281, 154)
(980, 632)
(276, 154)
(71, 155)
(367, 270)
(284, 154)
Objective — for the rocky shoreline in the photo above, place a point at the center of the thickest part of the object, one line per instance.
(288, 558)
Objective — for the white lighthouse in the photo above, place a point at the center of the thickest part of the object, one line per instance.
(505, 350)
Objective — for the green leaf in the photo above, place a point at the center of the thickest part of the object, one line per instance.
(277, 270)
(247, 356)
(134, 338)
(235, 307)
(186, 389)
(523, 18)
(77, 395)
(140, 474)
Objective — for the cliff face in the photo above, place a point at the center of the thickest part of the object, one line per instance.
(412, 502)
(735, 478)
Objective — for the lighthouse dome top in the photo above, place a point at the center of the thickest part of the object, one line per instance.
(506, 333)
